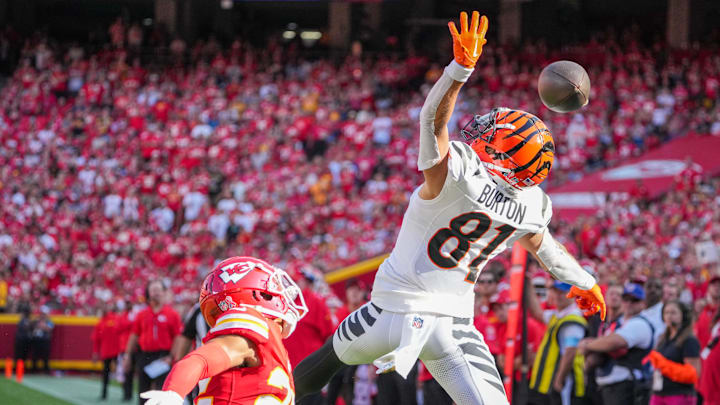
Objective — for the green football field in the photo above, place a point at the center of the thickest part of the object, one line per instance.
(46, 390)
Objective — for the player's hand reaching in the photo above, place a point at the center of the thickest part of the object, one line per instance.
(468, 43)
(590, 301)
(162, 398)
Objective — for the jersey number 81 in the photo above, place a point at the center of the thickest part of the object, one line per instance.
(464, 239)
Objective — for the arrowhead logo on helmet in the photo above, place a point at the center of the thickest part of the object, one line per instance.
(244, 269)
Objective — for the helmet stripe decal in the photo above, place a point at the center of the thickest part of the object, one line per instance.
(503, 117)
(527, 125)
(546, 165)
(522, 114)
(520, 144)
(528, 164)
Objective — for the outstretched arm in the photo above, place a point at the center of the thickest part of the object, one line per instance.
(603, 344)
(687, 372)
(557, 261)
(440, 102)
(218, 355)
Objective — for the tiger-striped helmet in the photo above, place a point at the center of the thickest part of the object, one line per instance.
(515, 146)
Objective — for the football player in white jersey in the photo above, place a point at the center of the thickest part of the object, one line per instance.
(478, 198)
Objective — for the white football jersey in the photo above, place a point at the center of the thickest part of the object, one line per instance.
(445, 242)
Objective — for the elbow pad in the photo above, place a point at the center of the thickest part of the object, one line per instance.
(561, 265)
(429, 154)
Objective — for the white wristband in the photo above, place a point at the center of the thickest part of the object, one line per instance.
(458, 72)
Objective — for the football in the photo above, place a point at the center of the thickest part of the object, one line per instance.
(564, 86)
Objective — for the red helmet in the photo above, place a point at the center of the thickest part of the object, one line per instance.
(252, 282)
(514, 146)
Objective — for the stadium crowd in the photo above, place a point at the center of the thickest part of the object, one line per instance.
(115, 171)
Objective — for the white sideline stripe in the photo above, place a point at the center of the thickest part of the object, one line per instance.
(75, 390)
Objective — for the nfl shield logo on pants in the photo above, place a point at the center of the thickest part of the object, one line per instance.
(417, 322)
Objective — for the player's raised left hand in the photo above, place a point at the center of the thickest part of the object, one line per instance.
(468, 43)
(162, 398)
(590, 301)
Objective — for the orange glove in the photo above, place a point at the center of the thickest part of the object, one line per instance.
(653, 358)
(679, 372)
(591, 301)
(467, 44)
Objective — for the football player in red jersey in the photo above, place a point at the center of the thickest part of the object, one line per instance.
(250, 306)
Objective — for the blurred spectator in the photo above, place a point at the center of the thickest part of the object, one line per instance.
(312, 331)
(382, 128)
(557, 377)
(178, 48)
(622, 379)
(495, 335)
(41, 340)
(393, 389)
(671, 290)
(343, 382)
(613, 319)
(709, 385)
(433, 392)
(106, 344)
(495, 328)
(23, 336)
(194, 330)
(653, 311)
(485, 288)
(356, 295)
(709, 312)
(153, 330)
(613, 302)
(539, 284)
(117, 33)
(126, 372)
(676, 358)
(134, 37)
(364, 388)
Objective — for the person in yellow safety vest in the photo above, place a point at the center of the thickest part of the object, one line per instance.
(557, 376)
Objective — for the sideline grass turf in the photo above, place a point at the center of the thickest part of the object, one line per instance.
(14, 393)
(76, 390)
(60, 390)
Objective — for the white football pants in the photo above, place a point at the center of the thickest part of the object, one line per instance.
(455, 352)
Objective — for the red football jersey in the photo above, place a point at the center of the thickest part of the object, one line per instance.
(269, 383)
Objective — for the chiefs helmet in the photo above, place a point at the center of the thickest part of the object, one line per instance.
(251, 282)
(514, 146)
